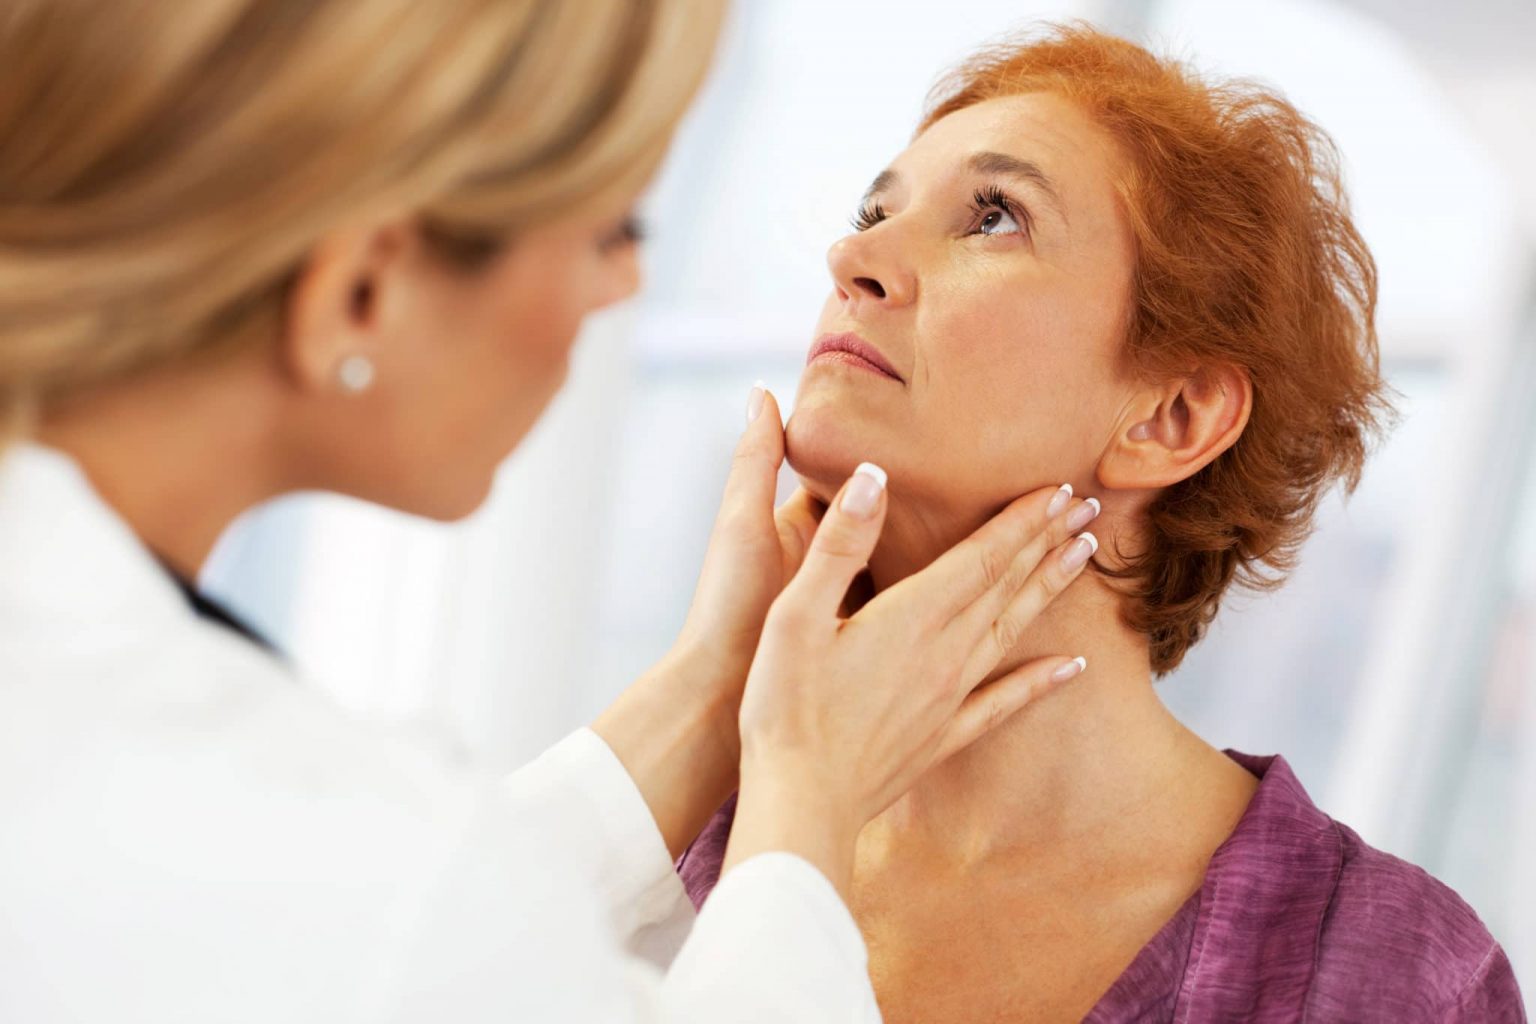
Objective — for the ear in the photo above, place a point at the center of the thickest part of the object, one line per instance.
(333, 307)
(1170, 432)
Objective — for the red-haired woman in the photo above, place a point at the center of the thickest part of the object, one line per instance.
(1095, 265)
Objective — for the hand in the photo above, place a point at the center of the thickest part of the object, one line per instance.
(840, 716)
(754, 550)
(674, 729)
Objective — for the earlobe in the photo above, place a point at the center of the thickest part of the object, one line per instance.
(355, 374)
(330, 309)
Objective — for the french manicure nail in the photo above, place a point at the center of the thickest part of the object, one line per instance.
(863, 491)
(1068, 670)
(1058, 501)
(1079, 551)
(1083, 515)
(755, 400)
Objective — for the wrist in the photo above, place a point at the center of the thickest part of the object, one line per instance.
(677, 739)
(783, 808)
(706, 685)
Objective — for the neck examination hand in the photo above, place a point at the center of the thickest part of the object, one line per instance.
(675, 729)
(840, 716)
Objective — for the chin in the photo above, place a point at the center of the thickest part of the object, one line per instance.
(453, 513)
(823, 445)
(448, 501)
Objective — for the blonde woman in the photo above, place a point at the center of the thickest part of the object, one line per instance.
(254, 246)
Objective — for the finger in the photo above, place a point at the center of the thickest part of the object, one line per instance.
(754, 477)
(984, 613)
(796, 521)
(987, 707)
(998, 631)
(842, 544)
(974, 566)
(985, 610)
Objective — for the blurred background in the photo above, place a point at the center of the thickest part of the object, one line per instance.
(1396, 671)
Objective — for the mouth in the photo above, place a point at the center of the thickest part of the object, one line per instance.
(854, 351)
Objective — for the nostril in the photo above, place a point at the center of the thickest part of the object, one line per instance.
(870, 285)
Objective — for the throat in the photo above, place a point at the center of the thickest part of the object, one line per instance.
(1044, 928)
(1104, 778)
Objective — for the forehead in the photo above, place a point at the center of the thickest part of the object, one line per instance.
(1044, 128)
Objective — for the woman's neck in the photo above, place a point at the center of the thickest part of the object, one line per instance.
(178, 453)
(1099, 763)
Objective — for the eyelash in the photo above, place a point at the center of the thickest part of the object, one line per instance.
(868, 216)
(994, 198)
(984, 201)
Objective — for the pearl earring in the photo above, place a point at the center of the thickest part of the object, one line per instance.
(355, 374)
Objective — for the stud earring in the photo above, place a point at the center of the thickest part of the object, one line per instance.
(355, 374)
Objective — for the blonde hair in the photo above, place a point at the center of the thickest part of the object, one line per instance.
(165, 167)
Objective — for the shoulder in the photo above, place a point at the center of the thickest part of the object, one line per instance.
(1314, 921)
(196, 788)
(1385, 896)
(1394, 935)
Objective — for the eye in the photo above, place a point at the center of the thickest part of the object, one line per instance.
(630, 232)
(999, 214)
(999, 222)
(868, 216)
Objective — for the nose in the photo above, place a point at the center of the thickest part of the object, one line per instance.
(867, 268)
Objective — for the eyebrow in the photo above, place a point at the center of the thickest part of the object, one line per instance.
(884, 180)
(988, 163)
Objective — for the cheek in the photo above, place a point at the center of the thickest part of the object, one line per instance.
(501, 353)
(1019, 375)
(538, 327)
(527, 326)
(998, 347)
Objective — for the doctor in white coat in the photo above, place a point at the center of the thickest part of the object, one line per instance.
(254, 246)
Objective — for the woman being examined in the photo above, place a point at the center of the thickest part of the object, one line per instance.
(249, 247)
(1095, 265)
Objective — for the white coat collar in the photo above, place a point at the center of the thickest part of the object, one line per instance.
(65, 553)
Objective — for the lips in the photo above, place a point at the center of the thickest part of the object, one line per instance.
(851, 345)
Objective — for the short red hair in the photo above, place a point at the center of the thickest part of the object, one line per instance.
(1245, 254)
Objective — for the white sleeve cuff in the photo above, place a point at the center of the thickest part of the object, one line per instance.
(589, 812)
(773, 941)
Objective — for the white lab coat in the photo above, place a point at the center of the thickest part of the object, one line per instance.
(188, 833)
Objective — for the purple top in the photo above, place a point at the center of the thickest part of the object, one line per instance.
(1297, 919)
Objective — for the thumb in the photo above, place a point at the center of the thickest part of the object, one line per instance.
(842, 544)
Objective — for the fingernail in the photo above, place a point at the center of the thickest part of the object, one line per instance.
(1059, 501)
(1083, 515)
(863, 491)
(1079, 551)
(1068, 670)
(755, 400)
